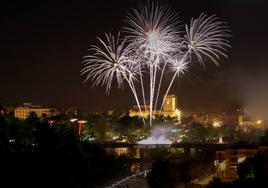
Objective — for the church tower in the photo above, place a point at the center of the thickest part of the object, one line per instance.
(170, 103)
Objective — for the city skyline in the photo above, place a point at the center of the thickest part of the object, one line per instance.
(43, 45)
(134, 93)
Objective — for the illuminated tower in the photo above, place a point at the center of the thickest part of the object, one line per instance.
(170, 103)
(170, 108)
(240, 119)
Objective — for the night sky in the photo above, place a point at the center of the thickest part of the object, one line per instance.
(42, 45)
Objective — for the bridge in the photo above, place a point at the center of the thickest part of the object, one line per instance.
(185, 146)
(176, 145)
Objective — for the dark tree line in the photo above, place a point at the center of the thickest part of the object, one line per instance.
(35, 153)
(170, 174)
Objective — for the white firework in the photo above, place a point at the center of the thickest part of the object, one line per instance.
(111, 60)
(154, 43)
(206, 36)
(108, 61)
(178, 65)
(153, 30)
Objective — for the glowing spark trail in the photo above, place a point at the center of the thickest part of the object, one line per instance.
(154, 33)
(109, 61)
(154, 44)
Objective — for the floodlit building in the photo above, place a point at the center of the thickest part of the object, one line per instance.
(23, 112)
(110, 112)
(244, 121)
(170, 109)
(247, 122)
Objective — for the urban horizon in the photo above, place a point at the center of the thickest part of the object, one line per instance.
(236, 81)
(134, 94)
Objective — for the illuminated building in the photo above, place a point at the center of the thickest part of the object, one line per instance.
(218, 120)
(170, 103)
(256, 123)
(23, 112)
(217, 123)
(247, 122)
(110, 112)
(81, 126)
(136, 112)
(169, 109)
(227, 160)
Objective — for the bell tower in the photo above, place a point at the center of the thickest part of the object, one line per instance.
(170, 103)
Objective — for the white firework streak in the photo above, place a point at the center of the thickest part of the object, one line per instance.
(207, 36)
(154, 33)
(111, 61)
(178, 65)
(154, 43)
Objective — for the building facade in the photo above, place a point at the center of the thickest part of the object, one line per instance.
(23, 112)
(170, 109)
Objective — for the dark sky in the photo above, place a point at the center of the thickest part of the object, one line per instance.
(42, 45)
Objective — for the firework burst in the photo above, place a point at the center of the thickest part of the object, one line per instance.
(109, 61)
(206, 36)
(153, 30)
(154, 44)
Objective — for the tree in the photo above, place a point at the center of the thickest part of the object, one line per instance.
(264, 139)
(245, 170)
(166, 174)
(196, 133)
